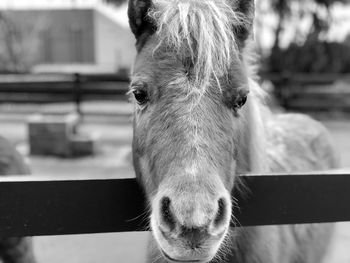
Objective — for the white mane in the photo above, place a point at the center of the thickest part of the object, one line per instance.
(199, 30)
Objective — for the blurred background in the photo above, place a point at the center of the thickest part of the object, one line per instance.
(64, 67)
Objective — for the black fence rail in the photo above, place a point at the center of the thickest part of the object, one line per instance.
(46, 88)
(30, 206)
(312, 92)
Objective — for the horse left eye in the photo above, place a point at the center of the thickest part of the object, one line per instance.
(241, 101)
(141, 96)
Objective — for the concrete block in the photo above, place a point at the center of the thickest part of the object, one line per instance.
(83, 145)
(51, 134)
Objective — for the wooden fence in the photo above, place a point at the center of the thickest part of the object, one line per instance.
(31, 206)
(312, 92)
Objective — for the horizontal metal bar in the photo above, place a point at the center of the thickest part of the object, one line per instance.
(61, 77)
(33, 206)
(66, 87)
(294, 199)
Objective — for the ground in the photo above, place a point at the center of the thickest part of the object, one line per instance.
(113, 124)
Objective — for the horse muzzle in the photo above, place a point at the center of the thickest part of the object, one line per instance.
(190, 227)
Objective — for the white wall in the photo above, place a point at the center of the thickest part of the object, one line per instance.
(114, 42)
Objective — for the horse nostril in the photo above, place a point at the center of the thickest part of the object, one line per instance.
(166, 215)
(221, 213)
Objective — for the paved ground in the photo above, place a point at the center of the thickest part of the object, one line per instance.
(113, 160)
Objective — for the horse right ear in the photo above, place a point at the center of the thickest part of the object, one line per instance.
(247, 8)
(138, 19)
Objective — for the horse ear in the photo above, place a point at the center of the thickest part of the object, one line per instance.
(138, 19)
(247, 8)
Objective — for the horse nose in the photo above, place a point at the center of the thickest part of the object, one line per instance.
(191, 225)
(194, 235)
(168, 220)
(221, 212)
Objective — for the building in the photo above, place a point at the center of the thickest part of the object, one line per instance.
(67, 37)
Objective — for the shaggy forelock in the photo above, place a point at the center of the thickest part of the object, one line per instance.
(201, 33)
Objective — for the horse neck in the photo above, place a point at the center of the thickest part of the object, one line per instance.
(252, 140)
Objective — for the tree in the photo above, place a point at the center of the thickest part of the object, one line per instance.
(308, 50)
(10, 37)
(318, 10)
(18, 46)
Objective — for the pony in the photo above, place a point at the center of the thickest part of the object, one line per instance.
(14, 249)
(200, 120)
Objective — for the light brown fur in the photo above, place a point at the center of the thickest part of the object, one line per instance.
(191, 140)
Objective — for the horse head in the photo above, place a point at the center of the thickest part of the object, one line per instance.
(189, 86)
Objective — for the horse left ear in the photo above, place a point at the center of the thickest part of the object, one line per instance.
(247, 8)
(138, 17)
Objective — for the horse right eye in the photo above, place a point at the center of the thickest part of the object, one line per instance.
(141, 96)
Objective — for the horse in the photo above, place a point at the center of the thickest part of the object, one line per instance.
(200, 120)
(14, 249)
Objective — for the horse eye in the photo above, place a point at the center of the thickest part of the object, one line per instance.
(242, 100)
(141, 96)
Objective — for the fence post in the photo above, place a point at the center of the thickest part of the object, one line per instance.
(77, 93)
